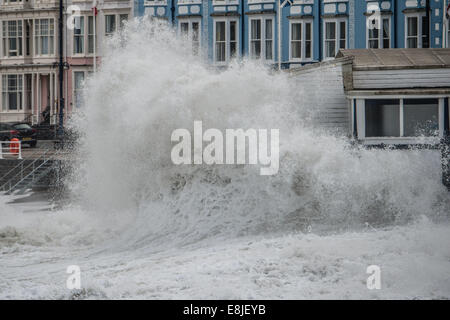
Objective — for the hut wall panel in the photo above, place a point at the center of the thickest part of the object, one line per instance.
(412, 78)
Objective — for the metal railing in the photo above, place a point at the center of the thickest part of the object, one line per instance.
(32, 167)
(9, 149)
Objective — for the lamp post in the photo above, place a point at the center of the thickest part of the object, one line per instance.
(61, 72)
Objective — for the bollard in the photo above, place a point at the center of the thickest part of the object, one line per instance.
(14, 146)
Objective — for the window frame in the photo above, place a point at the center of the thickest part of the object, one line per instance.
(227, 21)
(37, 38)
(82, 36)
(20, 93)
(302, 40)
(420, 16)
(359, 105)
(380, 38)
(74, 89)
(337, 38)
(263, 37)
(190, 21)
(5, 40)
(118, 22)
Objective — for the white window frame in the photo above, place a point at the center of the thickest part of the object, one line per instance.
(3, 42)
(82, 36)
(227, 39)
(380, 32)
(20, 107)
(37, 38)
(419, 16)
(302, 58)
(74, 90)
(88, 34)
(190, 34)
(117, 22)
(337, 21)
(361, 121)
(263, 40)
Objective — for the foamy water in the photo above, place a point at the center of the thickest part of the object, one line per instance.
(141, 227)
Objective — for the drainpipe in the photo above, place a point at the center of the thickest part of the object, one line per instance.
(427, 30)
(319, 18)
(61, 71)
(394, 24)
(445, 23)
(279, 35)
(172, 12)
(280, 6)
(242, 30)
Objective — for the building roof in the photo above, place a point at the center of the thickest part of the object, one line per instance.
(397, 58)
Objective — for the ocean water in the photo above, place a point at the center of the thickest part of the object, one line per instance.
(139, 226)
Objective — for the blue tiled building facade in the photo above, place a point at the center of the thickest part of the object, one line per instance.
(310, 30)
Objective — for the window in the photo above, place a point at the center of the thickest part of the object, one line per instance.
(401, 117)
(301, 41)
(191, 30)
(90, 40)
(379, 38)
(382, 118)
(412, 36)
(220, 40)
(110, 24)
(225, 40)
(78, 79)
(233, 39)
(12, 92)
(416, 31)
(255, 38)
(12, 38)
(44, 31)
(28, 37)
(78, 36)
(335, 37)
(421, 117)
(261, 38)
(122, 19)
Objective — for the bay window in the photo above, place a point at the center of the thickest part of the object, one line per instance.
(225, 40)
(300, 40)
(12, 38)
(12, 92)
(261, 38)
(44, 36)
(335, 37)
